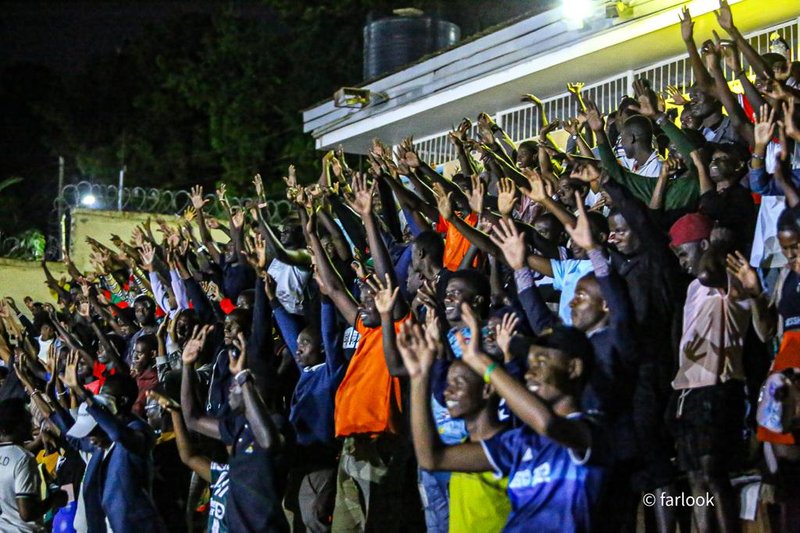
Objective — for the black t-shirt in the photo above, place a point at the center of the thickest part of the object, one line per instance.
(789, 305)
(257, 479)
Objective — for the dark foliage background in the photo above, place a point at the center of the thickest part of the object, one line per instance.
(178, 92)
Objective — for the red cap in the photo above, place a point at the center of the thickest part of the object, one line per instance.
(690, 228)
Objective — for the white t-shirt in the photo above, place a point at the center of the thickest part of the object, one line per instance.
(19, 476)
(290, 283)
(44, 348)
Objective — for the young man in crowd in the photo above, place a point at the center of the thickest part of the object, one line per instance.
(554, 462)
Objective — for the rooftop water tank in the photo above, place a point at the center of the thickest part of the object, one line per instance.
(394, 41)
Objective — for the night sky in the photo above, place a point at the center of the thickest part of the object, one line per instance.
(64, 35)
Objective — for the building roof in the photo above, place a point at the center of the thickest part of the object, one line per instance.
(537, 54)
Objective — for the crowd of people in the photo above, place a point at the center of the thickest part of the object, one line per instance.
(539, 342)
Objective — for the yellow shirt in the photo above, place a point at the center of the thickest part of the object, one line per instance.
(478, 502)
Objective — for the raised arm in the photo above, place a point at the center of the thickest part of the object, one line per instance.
(512, 244)
(386, 298)
(419, 349)
(255, 410)
(528, 407)
(701, 75)
(196, 420)
(198, 202)
(199, 464)
(338, 293)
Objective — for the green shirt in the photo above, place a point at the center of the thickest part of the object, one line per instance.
(682, 193)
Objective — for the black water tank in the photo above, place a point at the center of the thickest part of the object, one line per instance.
(391, 42)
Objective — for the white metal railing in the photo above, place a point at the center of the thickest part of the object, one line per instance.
(522, 122)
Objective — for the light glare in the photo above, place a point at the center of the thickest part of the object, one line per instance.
(89, 200)
(577, 10)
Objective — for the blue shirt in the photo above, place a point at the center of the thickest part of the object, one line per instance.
(551, 488)
(566, 274)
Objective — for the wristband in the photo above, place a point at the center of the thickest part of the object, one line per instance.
(487, 375)
(756, 156)
(243, 377)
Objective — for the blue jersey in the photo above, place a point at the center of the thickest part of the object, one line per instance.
(551, 487)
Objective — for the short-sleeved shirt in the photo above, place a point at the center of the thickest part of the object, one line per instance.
(551, 488)
(254, 500)
(478, 502)
(19, 476)
(456, 245)
(290, 282)
(566, 274)
(219, 497)
(368, 399)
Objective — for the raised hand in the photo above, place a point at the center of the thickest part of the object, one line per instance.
(571, 126)
(239, 363)
(70, 377)
(148, 254)
(417, 349)
(730, 54)
(163, 328)
(537, 191)
(211, 289)
(504, 331)
(195, 344)
(237, 219)
(221, 192)
(443, 201)
(470, 353)
(506, 196)
(687, 25)
(764, 127)
(593, 116)
(648, 103)
(575, 88)
(258, 183)
(710, 52)
(739, 267)
(547, 130)
(511, 242)
(669, 167)
(586, 171)
(164, 401)
(678, 98)
(196, 196)
(362, 195)
(724, 16)
(385, 296)
(790, 126)
(291, 179)
(581, 234)
(477, 195)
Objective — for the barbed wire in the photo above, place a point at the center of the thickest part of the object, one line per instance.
(34, 246)
(152, 200)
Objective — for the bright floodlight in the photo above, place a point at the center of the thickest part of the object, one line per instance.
(89, 200)
(576, 11)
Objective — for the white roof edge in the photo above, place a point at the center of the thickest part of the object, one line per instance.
(436, 62)
(329, 136)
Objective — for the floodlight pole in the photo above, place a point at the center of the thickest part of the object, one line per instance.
(119, 188)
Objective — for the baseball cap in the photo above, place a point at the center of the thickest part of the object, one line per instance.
(85, 422)
(567, 339)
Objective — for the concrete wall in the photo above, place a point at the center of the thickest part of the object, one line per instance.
(20, 278)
